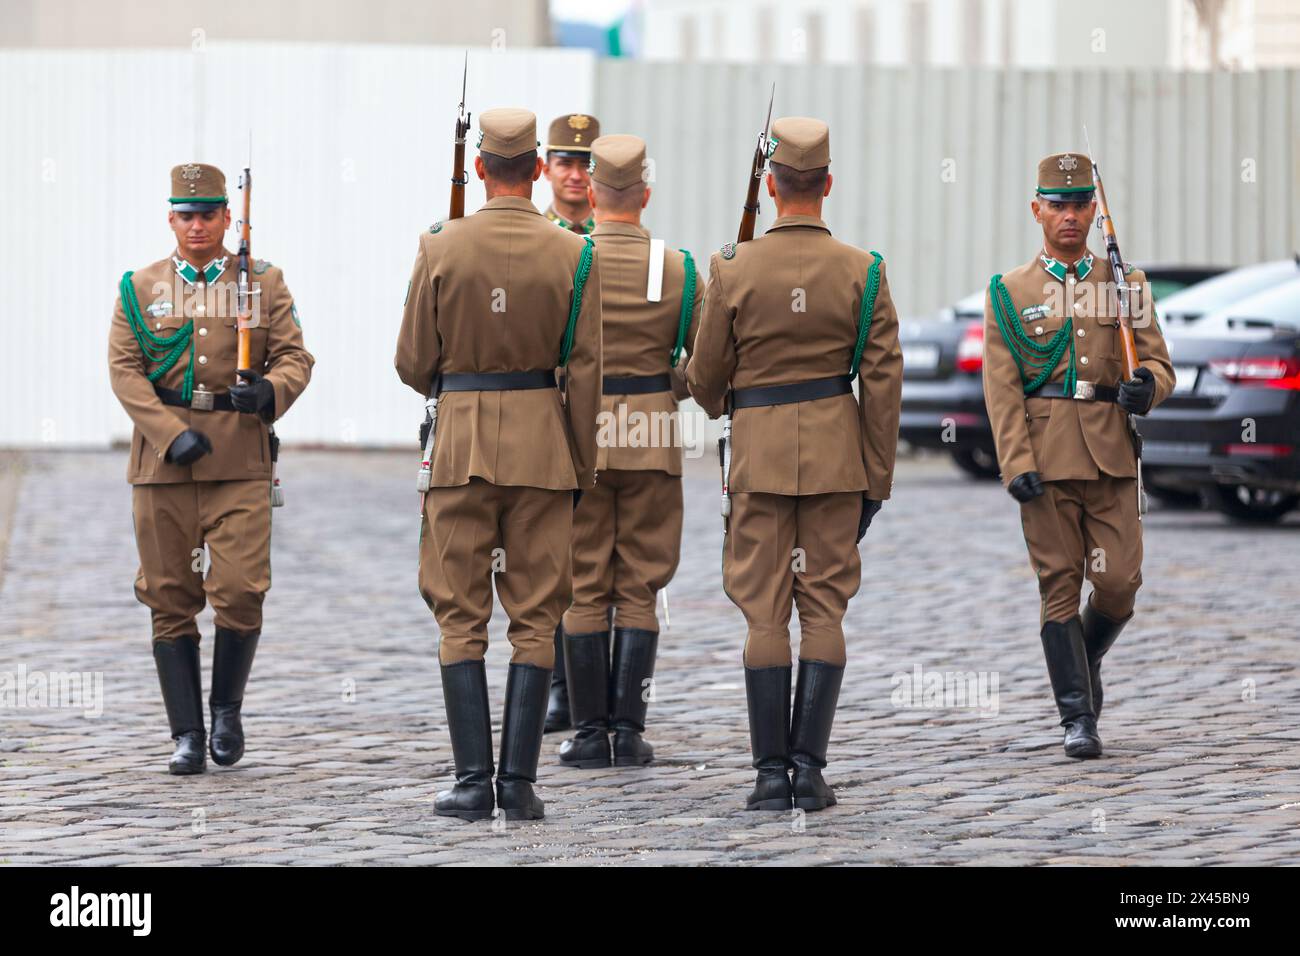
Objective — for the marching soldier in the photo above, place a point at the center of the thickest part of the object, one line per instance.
(789, 321)
(202, 455)
(497, 301)
(568, 152)
(627, 530)
(1053, 382)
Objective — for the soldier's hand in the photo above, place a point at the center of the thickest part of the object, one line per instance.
(1137, 394)
(188, 447)
(1026, 487)
(869, 508)
(424, 431)
(254, 395)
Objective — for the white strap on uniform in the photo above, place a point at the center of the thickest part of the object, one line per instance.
(654, 282)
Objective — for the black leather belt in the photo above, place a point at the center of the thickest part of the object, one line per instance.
(495, 381)
(217, 401)
(1083, 392)
(636, 384)
(795, 392)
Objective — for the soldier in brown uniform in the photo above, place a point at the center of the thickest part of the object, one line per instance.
(789, 321)
(1053, 382)
(568, 155)
(201, 454)
(627, 531)
(568, 152)
(497, 301)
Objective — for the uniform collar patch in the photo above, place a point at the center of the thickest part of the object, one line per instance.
(191, 274)
(1058, 269)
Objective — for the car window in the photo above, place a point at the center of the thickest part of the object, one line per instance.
(1260, 312)
(1224, 290)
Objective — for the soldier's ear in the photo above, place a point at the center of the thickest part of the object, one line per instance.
(771, 185)
(646, 198)
(829, 180)
(591, 196)
(479, 170)
(225, 217)
(537, 170)
(1036, 210)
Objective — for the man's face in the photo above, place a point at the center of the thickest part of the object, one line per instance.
(1065, 224)
(568, 177)
(200, 233)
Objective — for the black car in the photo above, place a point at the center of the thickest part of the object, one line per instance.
(1231, 429)
(943, 359)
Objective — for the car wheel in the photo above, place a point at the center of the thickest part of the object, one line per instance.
(1253, 505)
(977, 462)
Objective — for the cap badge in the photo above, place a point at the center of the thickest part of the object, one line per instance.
(578, 121)
(591, 165)
(729, 250)
(1067, 163)
(190, 171)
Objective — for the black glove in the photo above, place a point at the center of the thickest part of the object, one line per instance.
(577, 496)
(188, 447)
(869, 508)
(1137, 394)
(1026, 487)
(254, 396)
(424, 431)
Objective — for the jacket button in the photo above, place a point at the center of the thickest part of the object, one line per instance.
(203, 360)
(1082, 333)
(205, 332)
(1083, 360)
(1038, 330)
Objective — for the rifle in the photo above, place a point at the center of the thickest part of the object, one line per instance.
(459, 179)
(1128, 343)
(748, 219)
(245, 323)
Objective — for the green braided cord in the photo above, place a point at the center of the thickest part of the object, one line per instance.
(688, 308)
(1023, 349)
(866, 310)
(163, 349)
(579, 282)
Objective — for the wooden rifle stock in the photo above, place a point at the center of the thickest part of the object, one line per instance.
(243, 328)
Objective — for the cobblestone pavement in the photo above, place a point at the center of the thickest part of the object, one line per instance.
(348, 743)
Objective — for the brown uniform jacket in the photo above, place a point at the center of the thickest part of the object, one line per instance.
(1059, 438)
(751, 334)
(491, 293)
(240, 445)
(638, 339)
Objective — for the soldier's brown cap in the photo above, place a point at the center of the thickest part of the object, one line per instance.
(507, 132)
(801, 142)
(572, 134)
(618, 160)
(1066, 177)
(197, 187)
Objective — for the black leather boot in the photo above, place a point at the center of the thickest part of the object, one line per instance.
(815, 698)
(1099, 633)
(587, 666)
(557, 710)
(232, 659)
(767, 696)
(1067, 666)
(521, 741)
(182, 690)
(631, 671)
(464, 691)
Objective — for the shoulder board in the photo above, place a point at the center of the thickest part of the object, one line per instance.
(435, 228)
(260, 266)
(728, 250)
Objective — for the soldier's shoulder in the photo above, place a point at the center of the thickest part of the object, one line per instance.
(733, 254)
(154, 271)
(1019, 275)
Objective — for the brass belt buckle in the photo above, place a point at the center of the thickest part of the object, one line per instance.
(201, 400)
(1084, 391)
